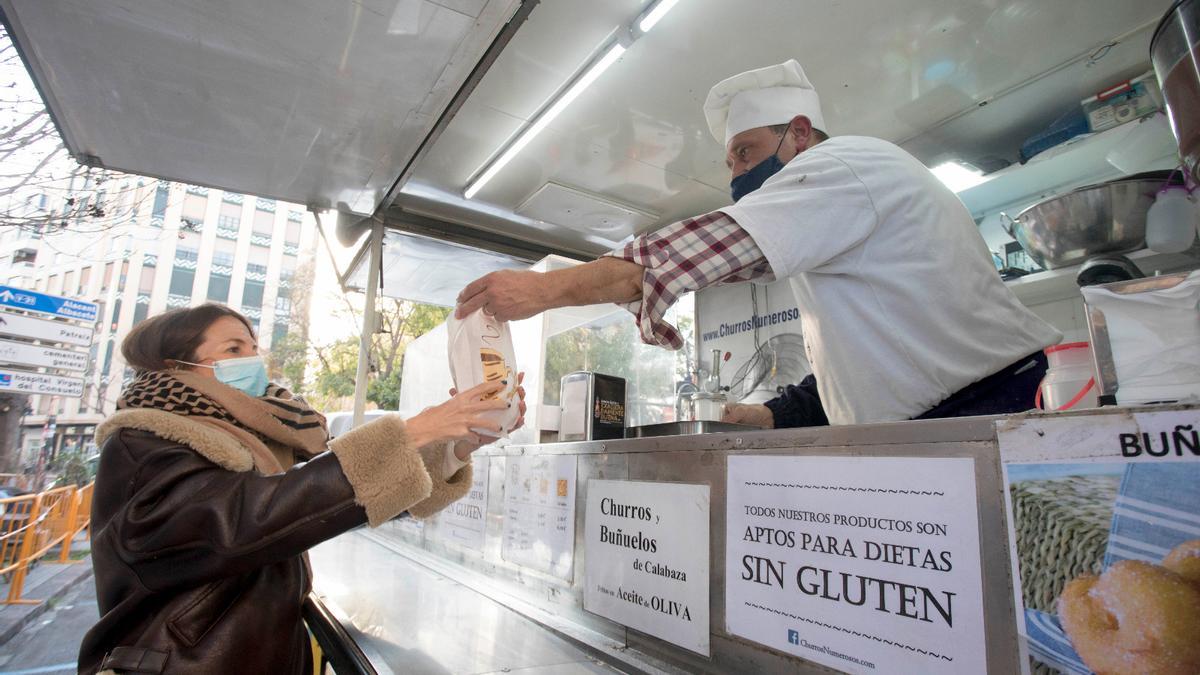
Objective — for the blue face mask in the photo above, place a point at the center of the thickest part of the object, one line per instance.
(754, 178)
(248, 375)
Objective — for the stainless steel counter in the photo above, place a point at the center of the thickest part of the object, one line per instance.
(554, 599)
(558, 604)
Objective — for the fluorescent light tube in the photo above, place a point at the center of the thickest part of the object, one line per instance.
(653, 16)
(958, 176)
(543, 120)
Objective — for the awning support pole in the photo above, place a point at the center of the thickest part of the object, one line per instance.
(368, 324)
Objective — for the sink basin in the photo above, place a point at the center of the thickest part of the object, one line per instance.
(686, 428)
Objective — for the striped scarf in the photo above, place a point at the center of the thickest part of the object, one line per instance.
(277, 427)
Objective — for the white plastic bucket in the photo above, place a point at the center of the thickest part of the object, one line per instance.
(1070, 381)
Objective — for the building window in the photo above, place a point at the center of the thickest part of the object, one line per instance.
(182, 280)
(116, 316)
(218, 288)
(186, 255)
(229, 219)
(124, 274)
(69, 282)
(108, 354)
(278, 332)
(25, 255)
(283, 304)
(252, 294)
(140, 311)
(108, 270)
(146, 282)
(194, 207)
(52, 284)
(85, 278)
(160, 201)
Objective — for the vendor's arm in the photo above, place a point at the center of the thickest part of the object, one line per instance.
(646, 276)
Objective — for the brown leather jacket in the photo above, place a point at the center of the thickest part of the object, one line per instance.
(199, 559)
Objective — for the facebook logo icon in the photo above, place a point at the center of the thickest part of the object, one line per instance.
(793, 637)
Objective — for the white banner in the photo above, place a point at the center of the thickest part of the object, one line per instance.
(37, 383)
(465, 521)
(45, 329)
(24, 354)
(863, 564)
(759, 327)
(539, 513)
(647, 558)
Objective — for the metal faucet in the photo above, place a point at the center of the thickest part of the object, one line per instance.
(685, 389)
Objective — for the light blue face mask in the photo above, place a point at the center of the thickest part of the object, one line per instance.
(248, 375)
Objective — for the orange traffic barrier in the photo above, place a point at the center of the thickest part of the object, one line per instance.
(31, 525)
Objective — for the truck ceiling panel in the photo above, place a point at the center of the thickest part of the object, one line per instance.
(312, 101)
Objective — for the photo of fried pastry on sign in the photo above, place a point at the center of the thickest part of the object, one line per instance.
(494, 368)
(1109, 565)
(1138, 617)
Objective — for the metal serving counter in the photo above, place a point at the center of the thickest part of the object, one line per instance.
(825, 551)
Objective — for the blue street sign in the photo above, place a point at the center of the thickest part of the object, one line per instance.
(54, 305)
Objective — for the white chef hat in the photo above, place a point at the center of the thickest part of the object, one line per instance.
(760, 98)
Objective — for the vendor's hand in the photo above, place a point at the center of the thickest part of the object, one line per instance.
(463, 449)
(508, 295)
(755, 415)
(455, 419)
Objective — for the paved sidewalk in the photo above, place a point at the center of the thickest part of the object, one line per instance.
(44, 638)
(49, 644)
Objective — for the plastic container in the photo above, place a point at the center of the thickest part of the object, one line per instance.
(704, 406)
(1175, 51)
(1123, 103)
(1070, 381)
(1063, 129)
(481, 351)
(1172, 221)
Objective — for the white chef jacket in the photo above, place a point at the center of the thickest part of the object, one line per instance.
(901, 304)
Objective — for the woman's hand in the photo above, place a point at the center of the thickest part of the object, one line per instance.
(455, 419)
(463, 449)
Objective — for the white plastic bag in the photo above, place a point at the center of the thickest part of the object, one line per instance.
(1155, 340)
(481, 351)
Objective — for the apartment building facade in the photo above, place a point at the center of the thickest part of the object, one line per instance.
(142, 247)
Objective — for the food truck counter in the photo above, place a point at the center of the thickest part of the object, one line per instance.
(885, 547)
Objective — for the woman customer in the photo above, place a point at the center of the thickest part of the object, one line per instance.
(201, 517)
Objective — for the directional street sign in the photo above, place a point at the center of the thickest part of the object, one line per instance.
(54, 305)
(45, 330)
(15, 353)
(38, 383)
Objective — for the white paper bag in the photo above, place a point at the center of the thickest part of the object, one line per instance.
(481, 351)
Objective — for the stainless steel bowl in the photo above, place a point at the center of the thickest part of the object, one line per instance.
(1105, 218)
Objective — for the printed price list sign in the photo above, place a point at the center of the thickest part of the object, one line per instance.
(539, 513)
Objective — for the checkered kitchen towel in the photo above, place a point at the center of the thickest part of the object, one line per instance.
(1158, 508)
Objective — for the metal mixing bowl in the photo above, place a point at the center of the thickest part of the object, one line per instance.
(1105, 218)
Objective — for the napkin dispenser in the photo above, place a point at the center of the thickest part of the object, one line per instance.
(591, 407)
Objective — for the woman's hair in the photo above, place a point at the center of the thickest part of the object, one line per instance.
(173, 335)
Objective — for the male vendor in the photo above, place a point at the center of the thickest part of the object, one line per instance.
(902, 311)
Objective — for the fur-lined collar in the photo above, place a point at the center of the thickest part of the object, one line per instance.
(217, 447)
